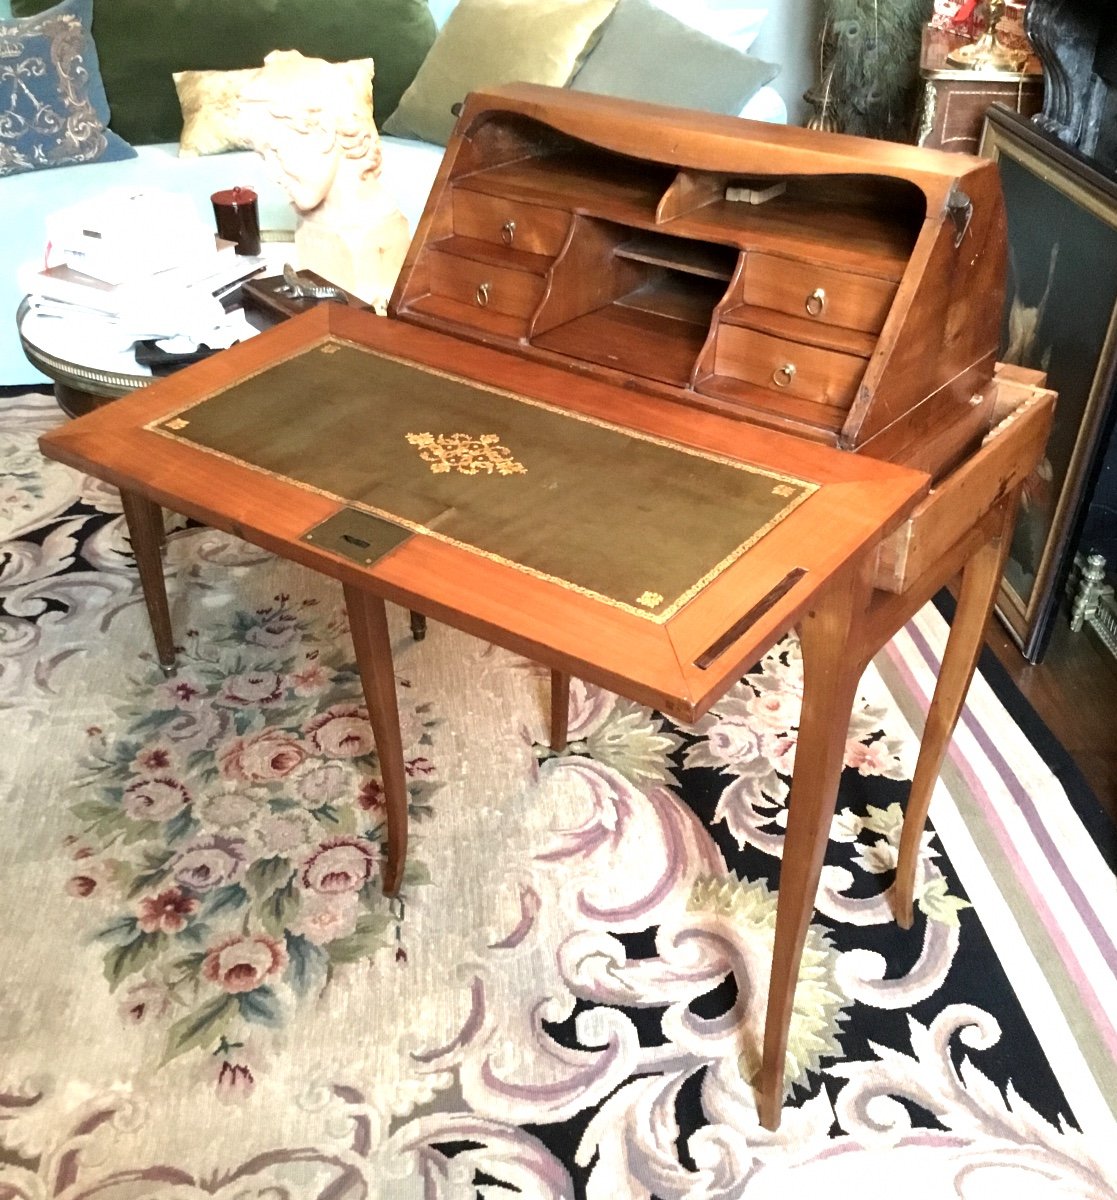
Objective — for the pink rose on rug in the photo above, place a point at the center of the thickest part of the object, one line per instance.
(209, 863)
(241, 964)
(342, 731)
(157, 799)
(325, 918)
(732, 739)
(260, 757)
(777, 710)
(167, 912)
(871, 759)
(252, 687)
(309, 679)
(342, 864)
(780, 751)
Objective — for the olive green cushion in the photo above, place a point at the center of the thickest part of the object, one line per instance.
(485, 43)
(142, 43)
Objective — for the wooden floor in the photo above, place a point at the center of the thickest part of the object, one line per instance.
(1074, 691)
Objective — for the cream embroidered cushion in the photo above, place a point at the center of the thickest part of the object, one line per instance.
(213, 116)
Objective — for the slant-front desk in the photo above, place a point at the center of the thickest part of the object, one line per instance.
(654, 388)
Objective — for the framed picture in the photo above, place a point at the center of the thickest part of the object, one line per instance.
(1060, 317)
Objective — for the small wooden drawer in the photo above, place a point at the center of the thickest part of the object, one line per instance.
(485, 287)
(957, 503)
(530, 227)
(818, 293)
(791, 368)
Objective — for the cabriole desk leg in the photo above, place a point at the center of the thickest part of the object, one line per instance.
(368, 623)
(832, 639)
(981, 579)
(145, 530)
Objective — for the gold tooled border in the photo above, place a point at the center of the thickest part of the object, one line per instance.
(808, 489)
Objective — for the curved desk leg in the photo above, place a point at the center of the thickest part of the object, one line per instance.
(560, 709)
(145, 531)
(368, 623)
(832, 641)
(981, 577)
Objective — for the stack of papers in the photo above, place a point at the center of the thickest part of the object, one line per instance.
(142, 265)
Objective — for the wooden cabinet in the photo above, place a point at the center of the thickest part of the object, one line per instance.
(955, 100)
(955, 104)
(846, 290)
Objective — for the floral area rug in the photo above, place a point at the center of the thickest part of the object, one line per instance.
(204, 993)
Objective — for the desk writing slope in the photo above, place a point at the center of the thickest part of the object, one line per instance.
(636, 521)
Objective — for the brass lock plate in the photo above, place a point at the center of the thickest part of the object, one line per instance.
(357, 535)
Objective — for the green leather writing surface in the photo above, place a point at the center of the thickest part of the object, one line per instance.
(635, 521)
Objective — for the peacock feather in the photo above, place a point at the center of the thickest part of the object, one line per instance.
(870, 66)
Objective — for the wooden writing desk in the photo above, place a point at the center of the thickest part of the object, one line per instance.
(467, 481)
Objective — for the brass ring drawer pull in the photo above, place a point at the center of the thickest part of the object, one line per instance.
(816, 302)
(782, 376)
(508, 232)
(482, 294)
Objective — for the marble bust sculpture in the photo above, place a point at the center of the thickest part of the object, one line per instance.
(313, 121)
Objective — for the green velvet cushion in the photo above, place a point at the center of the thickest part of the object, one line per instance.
(141, 43)
(645, 53)
(485, 43)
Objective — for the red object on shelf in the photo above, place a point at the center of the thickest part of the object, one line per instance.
(958, 16)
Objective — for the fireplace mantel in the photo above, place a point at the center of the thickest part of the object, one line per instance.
(1076, 40)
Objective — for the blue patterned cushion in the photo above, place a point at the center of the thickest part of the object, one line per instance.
(53, 110)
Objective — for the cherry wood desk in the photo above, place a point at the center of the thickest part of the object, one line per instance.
(814, 566)
(655, 386)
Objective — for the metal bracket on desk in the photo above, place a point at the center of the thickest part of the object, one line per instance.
(959, 208)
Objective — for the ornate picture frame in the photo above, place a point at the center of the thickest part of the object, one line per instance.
(1060, 317)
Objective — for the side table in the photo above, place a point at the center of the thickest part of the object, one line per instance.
(78, 387)
(81, 385)
(955, 103)
(955, 99)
